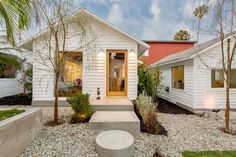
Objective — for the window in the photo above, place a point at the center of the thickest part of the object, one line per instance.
(70, 81)
(7, 71)
(233, 78)
(178, 77)
(217, 79)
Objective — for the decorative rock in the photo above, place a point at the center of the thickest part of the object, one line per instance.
(115, 143)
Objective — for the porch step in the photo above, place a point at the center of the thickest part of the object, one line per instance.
(116, 120)
(112, 105)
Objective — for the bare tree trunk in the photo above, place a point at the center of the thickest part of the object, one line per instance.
(57, 74)
(198, 29)
(56, 99)
(227, 110)
(228, 81)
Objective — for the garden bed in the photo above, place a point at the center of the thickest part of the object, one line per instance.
(160, 129)
(4, 114)
(18, 131)
(19, 99)
(170, 108)
(209, 154)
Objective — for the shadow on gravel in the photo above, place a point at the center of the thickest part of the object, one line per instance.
(170, 108)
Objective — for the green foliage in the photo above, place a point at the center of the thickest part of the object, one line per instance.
(9, 64)
(145, 105)
(26, 80)
(16, 15)
(4, 114)
(149, 82)
(147, 110)
(209, 154)
(81, 106)
(200, 11)
(182, 35)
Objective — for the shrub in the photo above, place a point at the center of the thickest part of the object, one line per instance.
(82, 108)
(151, 122)
(147, 111)
(149, 82)
(26, 80)
(145, 105)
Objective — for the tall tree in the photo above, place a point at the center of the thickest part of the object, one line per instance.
(182, 35)
(199, 13)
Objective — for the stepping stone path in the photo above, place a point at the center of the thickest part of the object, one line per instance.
(114, 143)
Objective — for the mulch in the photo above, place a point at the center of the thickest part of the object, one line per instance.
(20, 99)
(170, 108)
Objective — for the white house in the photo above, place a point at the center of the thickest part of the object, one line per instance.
(193, 79)
(110, 64)
(11, 85)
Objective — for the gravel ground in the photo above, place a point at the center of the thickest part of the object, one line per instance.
(186, 132)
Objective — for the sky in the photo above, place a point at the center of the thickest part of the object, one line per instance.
(147, 19)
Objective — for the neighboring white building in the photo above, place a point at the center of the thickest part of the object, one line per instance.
(12, 86)
(193, 79)
(110, 65)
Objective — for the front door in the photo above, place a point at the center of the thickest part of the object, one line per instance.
(116, 80)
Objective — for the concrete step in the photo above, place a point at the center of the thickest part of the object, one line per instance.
(116, 120)
(112, 105)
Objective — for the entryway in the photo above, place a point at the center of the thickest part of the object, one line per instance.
(116, 73)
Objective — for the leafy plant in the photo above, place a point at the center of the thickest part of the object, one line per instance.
(26, 80)
(147, 110)
(9, 64)
(145, 105)
(149, 82)
(82, 108)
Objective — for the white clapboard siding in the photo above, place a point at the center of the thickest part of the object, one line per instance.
(10, 86)
(184, 97)
(206, 97)
(94, 70)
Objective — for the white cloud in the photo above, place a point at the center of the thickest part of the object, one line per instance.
(149, 29)
(115, 15)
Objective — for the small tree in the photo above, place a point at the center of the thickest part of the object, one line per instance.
(223, 19)
(182, 35)
(57, 15)
(228, 49)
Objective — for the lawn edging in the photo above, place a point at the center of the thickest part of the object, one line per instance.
(18, 131)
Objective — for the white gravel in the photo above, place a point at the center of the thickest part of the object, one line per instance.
(185, 132)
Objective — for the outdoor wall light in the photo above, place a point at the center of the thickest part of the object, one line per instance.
(131, 50)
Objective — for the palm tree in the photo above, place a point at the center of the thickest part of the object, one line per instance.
(199, 12)
(182, 35)
(16, 16)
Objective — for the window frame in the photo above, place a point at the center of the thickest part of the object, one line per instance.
(172, 77)
(211, 84)
(231, 78)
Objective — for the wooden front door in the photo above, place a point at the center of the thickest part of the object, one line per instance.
(116, 71)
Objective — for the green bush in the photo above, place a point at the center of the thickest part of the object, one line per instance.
(149, 82)
(26, 80)
(145, 105)
(82, 108)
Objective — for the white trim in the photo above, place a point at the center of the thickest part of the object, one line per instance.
(187, 58)
(96, 17)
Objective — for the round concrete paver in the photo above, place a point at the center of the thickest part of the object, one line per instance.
(115, 143)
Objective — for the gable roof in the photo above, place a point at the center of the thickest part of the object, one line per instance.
(142, 46)
(189, 53)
